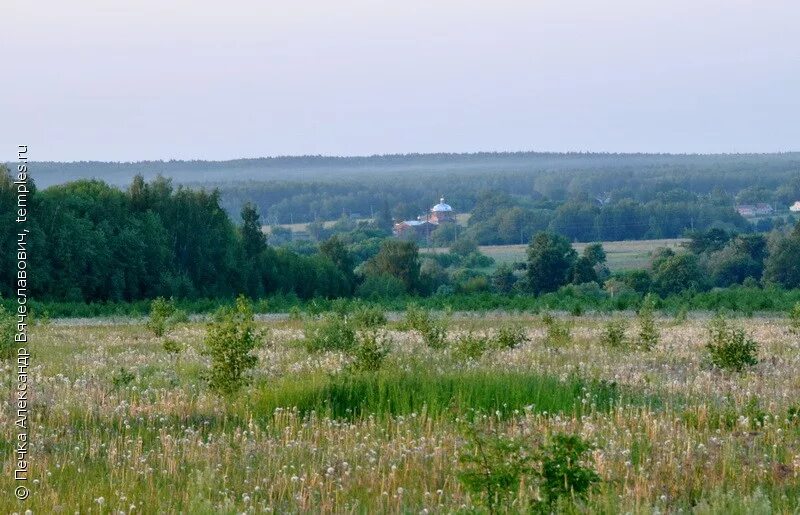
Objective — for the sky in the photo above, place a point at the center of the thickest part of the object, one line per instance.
(133, 80)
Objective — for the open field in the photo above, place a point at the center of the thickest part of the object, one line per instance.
(121, 426)
(621, 255)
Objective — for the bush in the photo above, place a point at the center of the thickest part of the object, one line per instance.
(369, 317)
(493, 466)
(172, 347)
(231, 337)
(433, 330)
(565, 471)
(510, 336)
(471, 346)
(648, 330)
(122, 378)
(558, 333)
(164, 316)
(730, 348)
(333, 332)
(614, 334)
(371, 349)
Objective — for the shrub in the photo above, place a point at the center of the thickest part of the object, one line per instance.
(493, 466)
(371, 349)
(565, 472)
(648, 330)
(164, 316)
(122, 378)
(332, 333)
(510, 336)
(229, 342)
(614, 334)
(369, 317)
(730, 348)
(794, 319)
(433, 330)
(558, 333)
(471, 346)
(172, 347)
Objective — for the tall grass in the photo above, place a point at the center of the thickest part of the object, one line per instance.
(435, 394)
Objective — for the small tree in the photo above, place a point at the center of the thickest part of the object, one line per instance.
(558, 333)
(164, 316)
(566, 473)
(730, 348)
(334, 332)
(614, 335)
(371, 350)
(648, 331)
(231, 338)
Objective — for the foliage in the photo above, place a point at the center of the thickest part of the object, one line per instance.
(398, 259)
(730, 348)
(493, 467)
(794, 319)
(333, 332)
(122, 378)
(172, 346)
(367, 317)
(550, 261)
(471, 346)
(565, 472)
(164, 316)
(370, 350)
(432, 329)
(649, 335)
(558, 332)
(614, 333)
(231, 338)
(510, 336)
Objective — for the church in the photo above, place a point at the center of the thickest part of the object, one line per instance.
(441, 213)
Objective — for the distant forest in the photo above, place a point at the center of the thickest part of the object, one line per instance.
(585, 197)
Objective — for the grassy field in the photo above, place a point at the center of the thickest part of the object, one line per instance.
(120, 426)
(622, 255)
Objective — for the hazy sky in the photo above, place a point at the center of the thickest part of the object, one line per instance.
(160, 79)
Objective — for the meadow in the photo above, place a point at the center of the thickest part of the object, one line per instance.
(123, 426)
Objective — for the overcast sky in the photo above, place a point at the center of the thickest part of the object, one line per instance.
(159, 79)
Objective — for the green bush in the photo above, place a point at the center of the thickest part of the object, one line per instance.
(558, 332)
(369, 317)
(493, 466)
(122, 378)
(510, 336)
(230, 340)
(172, 347)
(432, 329)
(566, 473)
(730, 348)
(648, 330)
(371, 350)
(471, 346)
(164, 316)
(333, 332)
(614, 333)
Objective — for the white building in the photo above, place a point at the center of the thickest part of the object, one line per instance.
(795, 208)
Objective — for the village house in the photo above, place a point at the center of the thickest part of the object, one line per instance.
(795, 208)
(750, 210)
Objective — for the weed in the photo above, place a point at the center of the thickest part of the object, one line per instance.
(369, 317)
(614, 333)
(122, 378)
(794, 319)
(649, 334)
(371, 349)
(334, 332)
(558, 332)
(509, 337)
(471, 346)
(566, 474)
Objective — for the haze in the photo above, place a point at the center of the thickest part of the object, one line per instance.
(134, 80)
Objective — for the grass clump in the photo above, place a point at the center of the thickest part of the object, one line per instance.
(730, 348)
(558, 332)
(229, 342)
(334, 332)
(402, 392)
